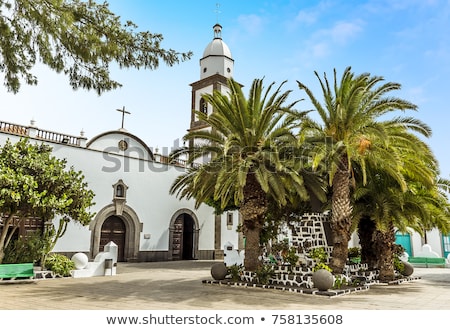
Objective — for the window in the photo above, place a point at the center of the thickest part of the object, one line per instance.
(229, 220)
(203, 106)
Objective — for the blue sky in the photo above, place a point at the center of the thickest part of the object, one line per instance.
(405, 41)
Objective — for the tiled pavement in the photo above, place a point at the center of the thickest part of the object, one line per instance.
(177, 285)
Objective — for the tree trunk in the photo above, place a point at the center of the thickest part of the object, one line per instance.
(252, 248)
(366, 232)
(341, 216)
(253, 210)
(384, 247)
(4, 236)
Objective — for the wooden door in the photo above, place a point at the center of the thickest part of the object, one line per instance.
(113, 229)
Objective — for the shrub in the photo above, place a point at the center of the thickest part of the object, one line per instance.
(398, 264)
(264, 273)
(354, 252)
(59, 264)
(320, 256)
(25, 249)
(291, 257)
(235, 271)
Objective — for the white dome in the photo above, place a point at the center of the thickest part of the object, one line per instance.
(217, 48)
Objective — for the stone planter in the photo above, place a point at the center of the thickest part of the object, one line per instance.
(323, 279)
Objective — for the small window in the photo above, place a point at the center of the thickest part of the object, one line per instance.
(119, 190)
(229, 219)
(204, 70)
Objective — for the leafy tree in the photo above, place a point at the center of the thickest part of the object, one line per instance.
(352, 130)
(36, 184)
(79, 38)
(247, 143)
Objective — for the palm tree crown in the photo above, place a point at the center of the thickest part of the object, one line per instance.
(355, 128)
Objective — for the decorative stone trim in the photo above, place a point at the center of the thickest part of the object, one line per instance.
(299, 290)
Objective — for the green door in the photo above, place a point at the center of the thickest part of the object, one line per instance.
(446, 245)
(404, 239)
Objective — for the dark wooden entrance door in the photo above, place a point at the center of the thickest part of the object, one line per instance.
(113, 229)
(183, 238)
(188, 238)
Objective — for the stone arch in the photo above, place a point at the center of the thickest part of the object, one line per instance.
(133, 229)
(173, 232)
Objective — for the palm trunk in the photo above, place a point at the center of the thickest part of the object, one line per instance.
(341, 216)
(384, 244)
(366, 232)
(253, 210)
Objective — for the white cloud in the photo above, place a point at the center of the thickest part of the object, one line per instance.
(307, 17)
(321, 44)
(342, 32)
(252, 24)
(311, 15)
(320, 50)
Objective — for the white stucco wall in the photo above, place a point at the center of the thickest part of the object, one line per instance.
(230, 234)
(148, 194)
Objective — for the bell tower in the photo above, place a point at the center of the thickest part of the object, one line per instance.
(216, 66)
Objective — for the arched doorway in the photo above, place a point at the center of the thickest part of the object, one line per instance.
(114, 229)
(183, 240)
(131, 238)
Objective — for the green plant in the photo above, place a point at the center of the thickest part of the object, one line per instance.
(355, 282)
(354, 252)
(235, 271)
(398, 264)
(291, 256)
(354, 255)
(264, 273)
(339, 281)
(321, 265)
(59, 264)
(320, 257)
(281, 247)
(25, 249)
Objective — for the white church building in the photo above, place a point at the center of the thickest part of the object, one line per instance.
(131, 182)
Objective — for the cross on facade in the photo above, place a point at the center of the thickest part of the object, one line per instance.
(123, 113)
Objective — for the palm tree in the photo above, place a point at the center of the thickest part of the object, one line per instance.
(249, 143)
(352, 130)
(383, 204)
(382, 207)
